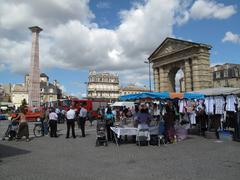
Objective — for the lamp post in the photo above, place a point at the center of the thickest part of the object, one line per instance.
(149, 74)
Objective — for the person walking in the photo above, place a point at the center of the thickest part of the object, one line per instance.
(71, 115)
(82, 120)
(53, 119)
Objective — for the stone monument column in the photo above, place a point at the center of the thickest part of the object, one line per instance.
(34, 75)
(156, 79)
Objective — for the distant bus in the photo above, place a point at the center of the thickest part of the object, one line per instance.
(91, 105)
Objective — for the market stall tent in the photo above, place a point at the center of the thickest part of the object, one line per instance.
(161, 95)
(219, 91)
(126, 104)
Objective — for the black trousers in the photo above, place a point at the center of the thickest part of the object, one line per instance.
(71, 124)
(82, 121)
(109, 131)
(53, 128)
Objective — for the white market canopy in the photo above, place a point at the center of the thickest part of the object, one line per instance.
(219, 91)
(123, 103)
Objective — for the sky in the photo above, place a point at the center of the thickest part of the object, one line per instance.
(116, 36)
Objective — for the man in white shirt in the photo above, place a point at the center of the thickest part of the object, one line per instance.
(82, 120)
(53, 123)
(71, 122)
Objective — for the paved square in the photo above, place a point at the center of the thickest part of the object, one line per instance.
(60, 158)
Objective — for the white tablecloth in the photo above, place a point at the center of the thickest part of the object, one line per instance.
(130, 131)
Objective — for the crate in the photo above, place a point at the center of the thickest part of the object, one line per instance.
(225, 135)
(211, 135)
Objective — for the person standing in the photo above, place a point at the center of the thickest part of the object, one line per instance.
(53, 119)
(42, 118)
(57, 111)
(23, 129)
(169, 119)
(71, 114)
(90, 117)
(109, 123)
(82, 120)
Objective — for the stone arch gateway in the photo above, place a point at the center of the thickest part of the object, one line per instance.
(174, 54)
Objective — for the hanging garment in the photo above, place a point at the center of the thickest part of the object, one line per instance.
(231, 100)
(192, 117)
(190, 106)
(219, 102)
(181, 106)
(209, 103)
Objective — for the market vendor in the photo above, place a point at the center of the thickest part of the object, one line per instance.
(143, 117)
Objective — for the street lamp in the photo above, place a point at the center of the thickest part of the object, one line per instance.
(149, 74)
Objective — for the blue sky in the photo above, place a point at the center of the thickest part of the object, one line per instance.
(107, 35)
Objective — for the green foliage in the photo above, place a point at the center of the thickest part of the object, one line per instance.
(23, 105)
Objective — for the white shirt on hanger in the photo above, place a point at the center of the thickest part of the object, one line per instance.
(219, 102)
(231, 100)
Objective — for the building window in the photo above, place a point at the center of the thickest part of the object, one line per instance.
(226, 73)
(42, 89)
(236, 72)
(218, 75)
(51, 90)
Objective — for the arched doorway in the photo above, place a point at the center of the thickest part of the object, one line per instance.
(176, 79)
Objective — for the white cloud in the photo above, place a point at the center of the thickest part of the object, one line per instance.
(231, 37)
(72, 40)
(2, 67)
(208, 9)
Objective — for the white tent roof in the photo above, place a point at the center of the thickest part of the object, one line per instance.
(219, 91)
(123, 103)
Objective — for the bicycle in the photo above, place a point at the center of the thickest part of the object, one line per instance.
(37, 130)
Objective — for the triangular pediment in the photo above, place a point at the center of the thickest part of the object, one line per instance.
(171, 45)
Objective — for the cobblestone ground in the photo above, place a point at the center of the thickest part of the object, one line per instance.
(60, 158)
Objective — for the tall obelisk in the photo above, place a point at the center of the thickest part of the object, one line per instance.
(34, 75)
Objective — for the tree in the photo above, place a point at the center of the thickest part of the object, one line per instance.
(9, 99)
(24, 104)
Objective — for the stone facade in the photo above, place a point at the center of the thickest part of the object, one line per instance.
(226, 75)
(174, 54)
(132, 89)
(48, 91)
(102, 85)
(5, 92)
(19, 92)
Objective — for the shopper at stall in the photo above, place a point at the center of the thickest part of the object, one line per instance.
(109, 122)
(156, 112)
(53, 119)
(143, 118)
(169, 118)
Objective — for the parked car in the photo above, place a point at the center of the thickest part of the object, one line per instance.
(3, 117)
(32, 114)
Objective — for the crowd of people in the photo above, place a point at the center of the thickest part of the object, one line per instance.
(49, 118)
(165, 115)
